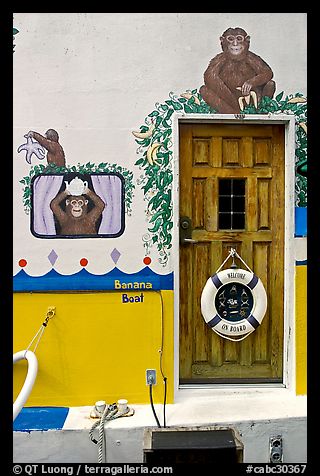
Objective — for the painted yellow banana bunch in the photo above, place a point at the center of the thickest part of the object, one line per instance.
(144, 135)
(303, 125)
(247, 99)
(188, 95)
(297, 100)
(152, 153)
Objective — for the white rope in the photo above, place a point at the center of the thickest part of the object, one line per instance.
(49, 315)
(230, 338)
(111, 412)
(233, 253)
(238, 256)
(40, 331)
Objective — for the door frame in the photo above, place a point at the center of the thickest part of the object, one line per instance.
(289, 257)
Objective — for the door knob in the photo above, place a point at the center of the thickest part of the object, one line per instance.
(186, 231)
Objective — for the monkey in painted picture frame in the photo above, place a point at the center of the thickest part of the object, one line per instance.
(237, 76)
(75, 218)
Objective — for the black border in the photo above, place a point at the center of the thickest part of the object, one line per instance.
(54, 237)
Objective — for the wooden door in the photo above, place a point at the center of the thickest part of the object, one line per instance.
(212, 158)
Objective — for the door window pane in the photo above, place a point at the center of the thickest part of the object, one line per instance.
(231, 204)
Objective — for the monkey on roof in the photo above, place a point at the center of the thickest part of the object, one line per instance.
(235, 73)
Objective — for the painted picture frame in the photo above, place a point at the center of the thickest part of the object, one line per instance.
(74, 205)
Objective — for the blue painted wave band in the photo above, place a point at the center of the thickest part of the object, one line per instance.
(83, 280)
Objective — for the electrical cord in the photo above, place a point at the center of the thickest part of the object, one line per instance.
(164, 401)
(152, 406)
(151, 382)
(161, 370)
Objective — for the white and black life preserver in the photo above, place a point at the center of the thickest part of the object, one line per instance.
(233, 302)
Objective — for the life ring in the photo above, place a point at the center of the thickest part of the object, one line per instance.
(233, 302)
(29, 381)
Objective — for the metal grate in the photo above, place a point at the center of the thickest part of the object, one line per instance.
(232, 204)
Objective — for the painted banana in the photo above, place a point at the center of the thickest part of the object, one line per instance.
(152, 153)
(144, 135)
(297, 100)
(304, 126)
(247, 99)
(189, 96)
(253, 94)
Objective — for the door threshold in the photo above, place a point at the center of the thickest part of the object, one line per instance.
(226, 386)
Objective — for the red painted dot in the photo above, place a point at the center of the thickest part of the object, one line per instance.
(147, 260)
(83, 261)
(22, 263)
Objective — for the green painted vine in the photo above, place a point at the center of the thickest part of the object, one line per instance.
(154, 139)
(87, 168)
(15, 32)
(296, 105)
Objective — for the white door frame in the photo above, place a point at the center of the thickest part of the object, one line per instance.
(289, 258)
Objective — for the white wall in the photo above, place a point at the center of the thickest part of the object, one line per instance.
(126, 445)
(94, 77)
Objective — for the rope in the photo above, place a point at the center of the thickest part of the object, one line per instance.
(50, 313)
(233, 253)
(230, 338)
(110, 413)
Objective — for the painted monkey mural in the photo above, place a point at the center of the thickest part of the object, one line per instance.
(74, 218)
(61, 203)
(50, 141)
(37, 144)
(236, 76)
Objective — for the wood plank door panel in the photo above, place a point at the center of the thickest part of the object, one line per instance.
(210, 153)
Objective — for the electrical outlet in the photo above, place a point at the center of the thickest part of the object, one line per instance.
(151, 376)
(276, 450)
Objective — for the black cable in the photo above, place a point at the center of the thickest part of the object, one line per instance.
(164, 401)
(161, 352)
(152, 406)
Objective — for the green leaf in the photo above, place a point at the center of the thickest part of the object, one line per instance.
(165, 124)
(153, 113)
(155, 216)
(177, 106)
(187, 108)
(156, 226)
(279, 96)
(169, 114)
(144, 142)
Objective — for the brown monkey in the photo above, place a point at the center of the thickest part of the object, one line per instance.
(76, 220)
(50, 142)
(236, 67)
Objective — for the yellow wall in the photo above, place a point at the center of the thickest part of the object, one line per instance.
(95, 347)
(301, 330)
(98, 348)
